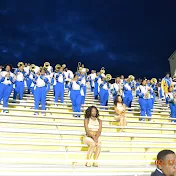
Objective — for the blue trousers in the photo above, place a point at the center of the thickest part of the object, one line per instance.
(145, 106)
(19, 89)
(91, 85)
(153, 101)
(127, 100)
(75, 97)
(104, 95)
(96, 91)
(83, 97)
(48, 87)
(40, 97)
(5, 91)
(59, 92)
(173, 110)
(29, 82)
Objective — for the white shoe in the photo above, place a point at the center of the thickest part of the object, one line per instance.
(35, 113)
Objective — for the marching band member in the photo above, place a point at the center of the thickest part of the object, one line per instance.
(40, 90)
(0, 68)
(122, 79)
(83, 80)
(68, 76)
(49, 74)
(92, 77)
(160, 92)
(116, 88)
(7, 78)
(144, 93)
(171, 99)
(153, 83)
(127, 91)
(75, 95)
(104, 90)
(59, 86)
(19, 83)
(96, 88)
(28, 81)
(165, 84)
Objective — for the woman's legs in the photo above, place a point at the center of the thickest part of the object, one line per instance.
(97, 153)
(91, 143)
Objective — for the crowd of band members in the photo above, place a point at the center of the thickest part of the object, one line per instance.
(38, 81)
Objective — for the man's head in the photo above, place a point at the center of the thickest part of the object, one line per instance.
(166, 162)
(167, 75)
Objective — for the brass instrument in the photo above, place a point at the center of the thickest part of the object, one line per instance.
(102, 71)
(79, 65)
(174, 97)
(57, 67)
(108, 77)
(41, 68)
(63, 66)
(153, 81)
(32, 67)
(164, 86)
(20, 64)
(46, 65)
(131, 78)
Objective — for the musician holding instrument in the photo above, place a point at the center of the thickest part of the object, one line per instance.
(68, 76)
(127, 91)
(83, 80)
(144, 92)
(96, 88)
(59, 86)
(19, 83)
(171, 99)
(153, 83)
(40, 90)
(92, 77)
(75, 95)
(117, 88)
(165, 84)
(104, 90)
(7, 79)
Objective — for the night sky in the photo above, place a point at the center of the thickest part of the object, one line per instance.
(125, 36)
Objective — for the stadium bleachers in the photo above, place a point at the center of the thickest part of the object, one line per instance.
(52, 144)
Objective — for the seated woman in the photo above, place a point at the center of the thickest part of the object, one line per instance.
(120, 110)
(93, 127)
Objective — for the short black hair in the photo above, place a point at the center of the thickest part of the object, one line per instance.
(89, 110)
(162, 154)
(8, 65)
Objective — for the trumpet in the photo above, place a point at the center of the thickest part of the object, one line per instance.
(108, 77)
(46, 65)
(20, 64)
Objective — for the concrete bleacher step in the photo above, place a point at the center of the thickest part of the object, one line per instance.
(55, 170)
(53, 144)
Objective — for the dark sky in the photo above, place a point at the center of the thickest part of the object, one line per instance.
(125, 36)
